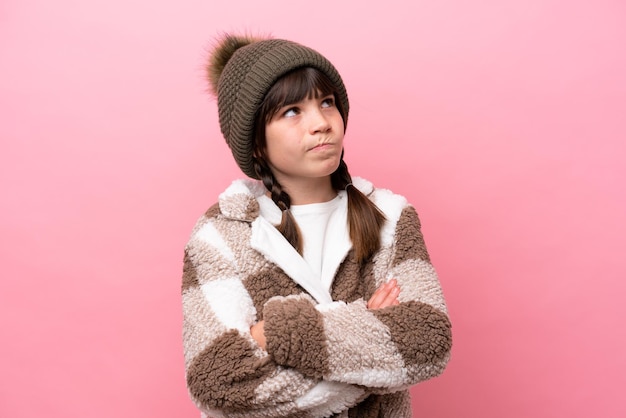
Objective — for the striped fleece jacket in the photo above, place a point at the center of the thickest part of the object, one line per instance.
(327, 354)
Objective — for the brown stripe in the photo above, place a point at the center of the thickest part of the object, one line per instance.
(297, 414)
(190, 276)
(396, 405)
(369, 408)
(353, 281)
(213, 211)
(269, 282)
(421, 333)
(226, 374)
(409, 238)
(294, 331)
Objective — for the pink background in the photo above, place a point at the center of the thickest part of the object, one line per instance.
(502, 121)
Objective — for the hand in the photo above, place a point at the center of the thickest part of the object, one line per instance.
(386, 295)
(258, 333)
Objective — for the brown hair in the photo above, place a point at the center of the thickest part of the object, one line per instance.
(365, 220)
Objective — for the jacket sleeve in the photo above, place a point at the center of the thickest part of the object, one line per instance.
(383, 349)
(227, 374)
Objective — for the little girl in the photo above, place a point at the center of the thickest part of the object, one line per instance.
(306, 292)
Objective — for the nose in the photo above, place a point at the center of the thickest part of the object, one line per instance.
(318, 122)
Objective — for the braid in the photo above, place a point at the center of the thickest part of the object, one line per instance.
(288, 226)
(365, 220)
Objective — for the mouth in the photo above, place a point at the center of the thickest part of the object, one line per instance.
(322, 146)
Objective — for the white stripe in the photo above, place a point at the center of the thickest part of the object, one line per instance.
(391, 205)
(375, 378)
(210, 235)
(329, 397)
(327, 307)
(231, 303)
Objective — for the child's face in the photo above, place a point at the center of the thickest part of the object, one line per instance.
(305, 139)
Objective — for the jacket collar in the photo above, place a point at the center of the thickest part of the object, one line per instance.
(239, 202)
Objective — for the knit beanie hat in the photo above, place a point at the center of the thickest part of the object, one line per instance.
(241, 71)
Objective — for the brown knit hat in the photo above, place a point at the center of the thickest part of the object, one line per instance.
(241, 70)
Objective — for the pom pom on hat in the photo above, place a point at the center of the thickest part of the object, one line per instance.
(241, 70)
(222, 53)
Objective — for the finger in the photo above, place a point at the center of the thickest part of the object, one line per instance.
(381, 294)
(391, 297)
(376, 299)
(257, 331)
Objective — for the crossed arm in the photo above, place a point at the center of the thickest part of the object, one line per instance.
(321, 358)
(386, 295)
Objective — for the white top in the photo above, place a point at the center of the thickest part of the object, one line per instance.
(324, 231)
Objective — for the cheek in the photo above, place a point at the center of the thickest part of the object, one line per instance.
(282, 141)
(270, 142)
(340, 127)
(339, 123)
(276, 134)
(277, 151)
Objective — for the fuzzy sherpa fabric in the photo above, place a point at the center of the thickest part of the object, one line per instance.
(327, 354)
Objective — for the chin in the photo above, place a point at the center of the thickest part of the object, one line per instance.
(333, 163)
(333, 169)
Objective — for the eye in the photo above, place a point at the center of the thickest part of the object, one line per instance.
(291, 112)
(328, 101)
